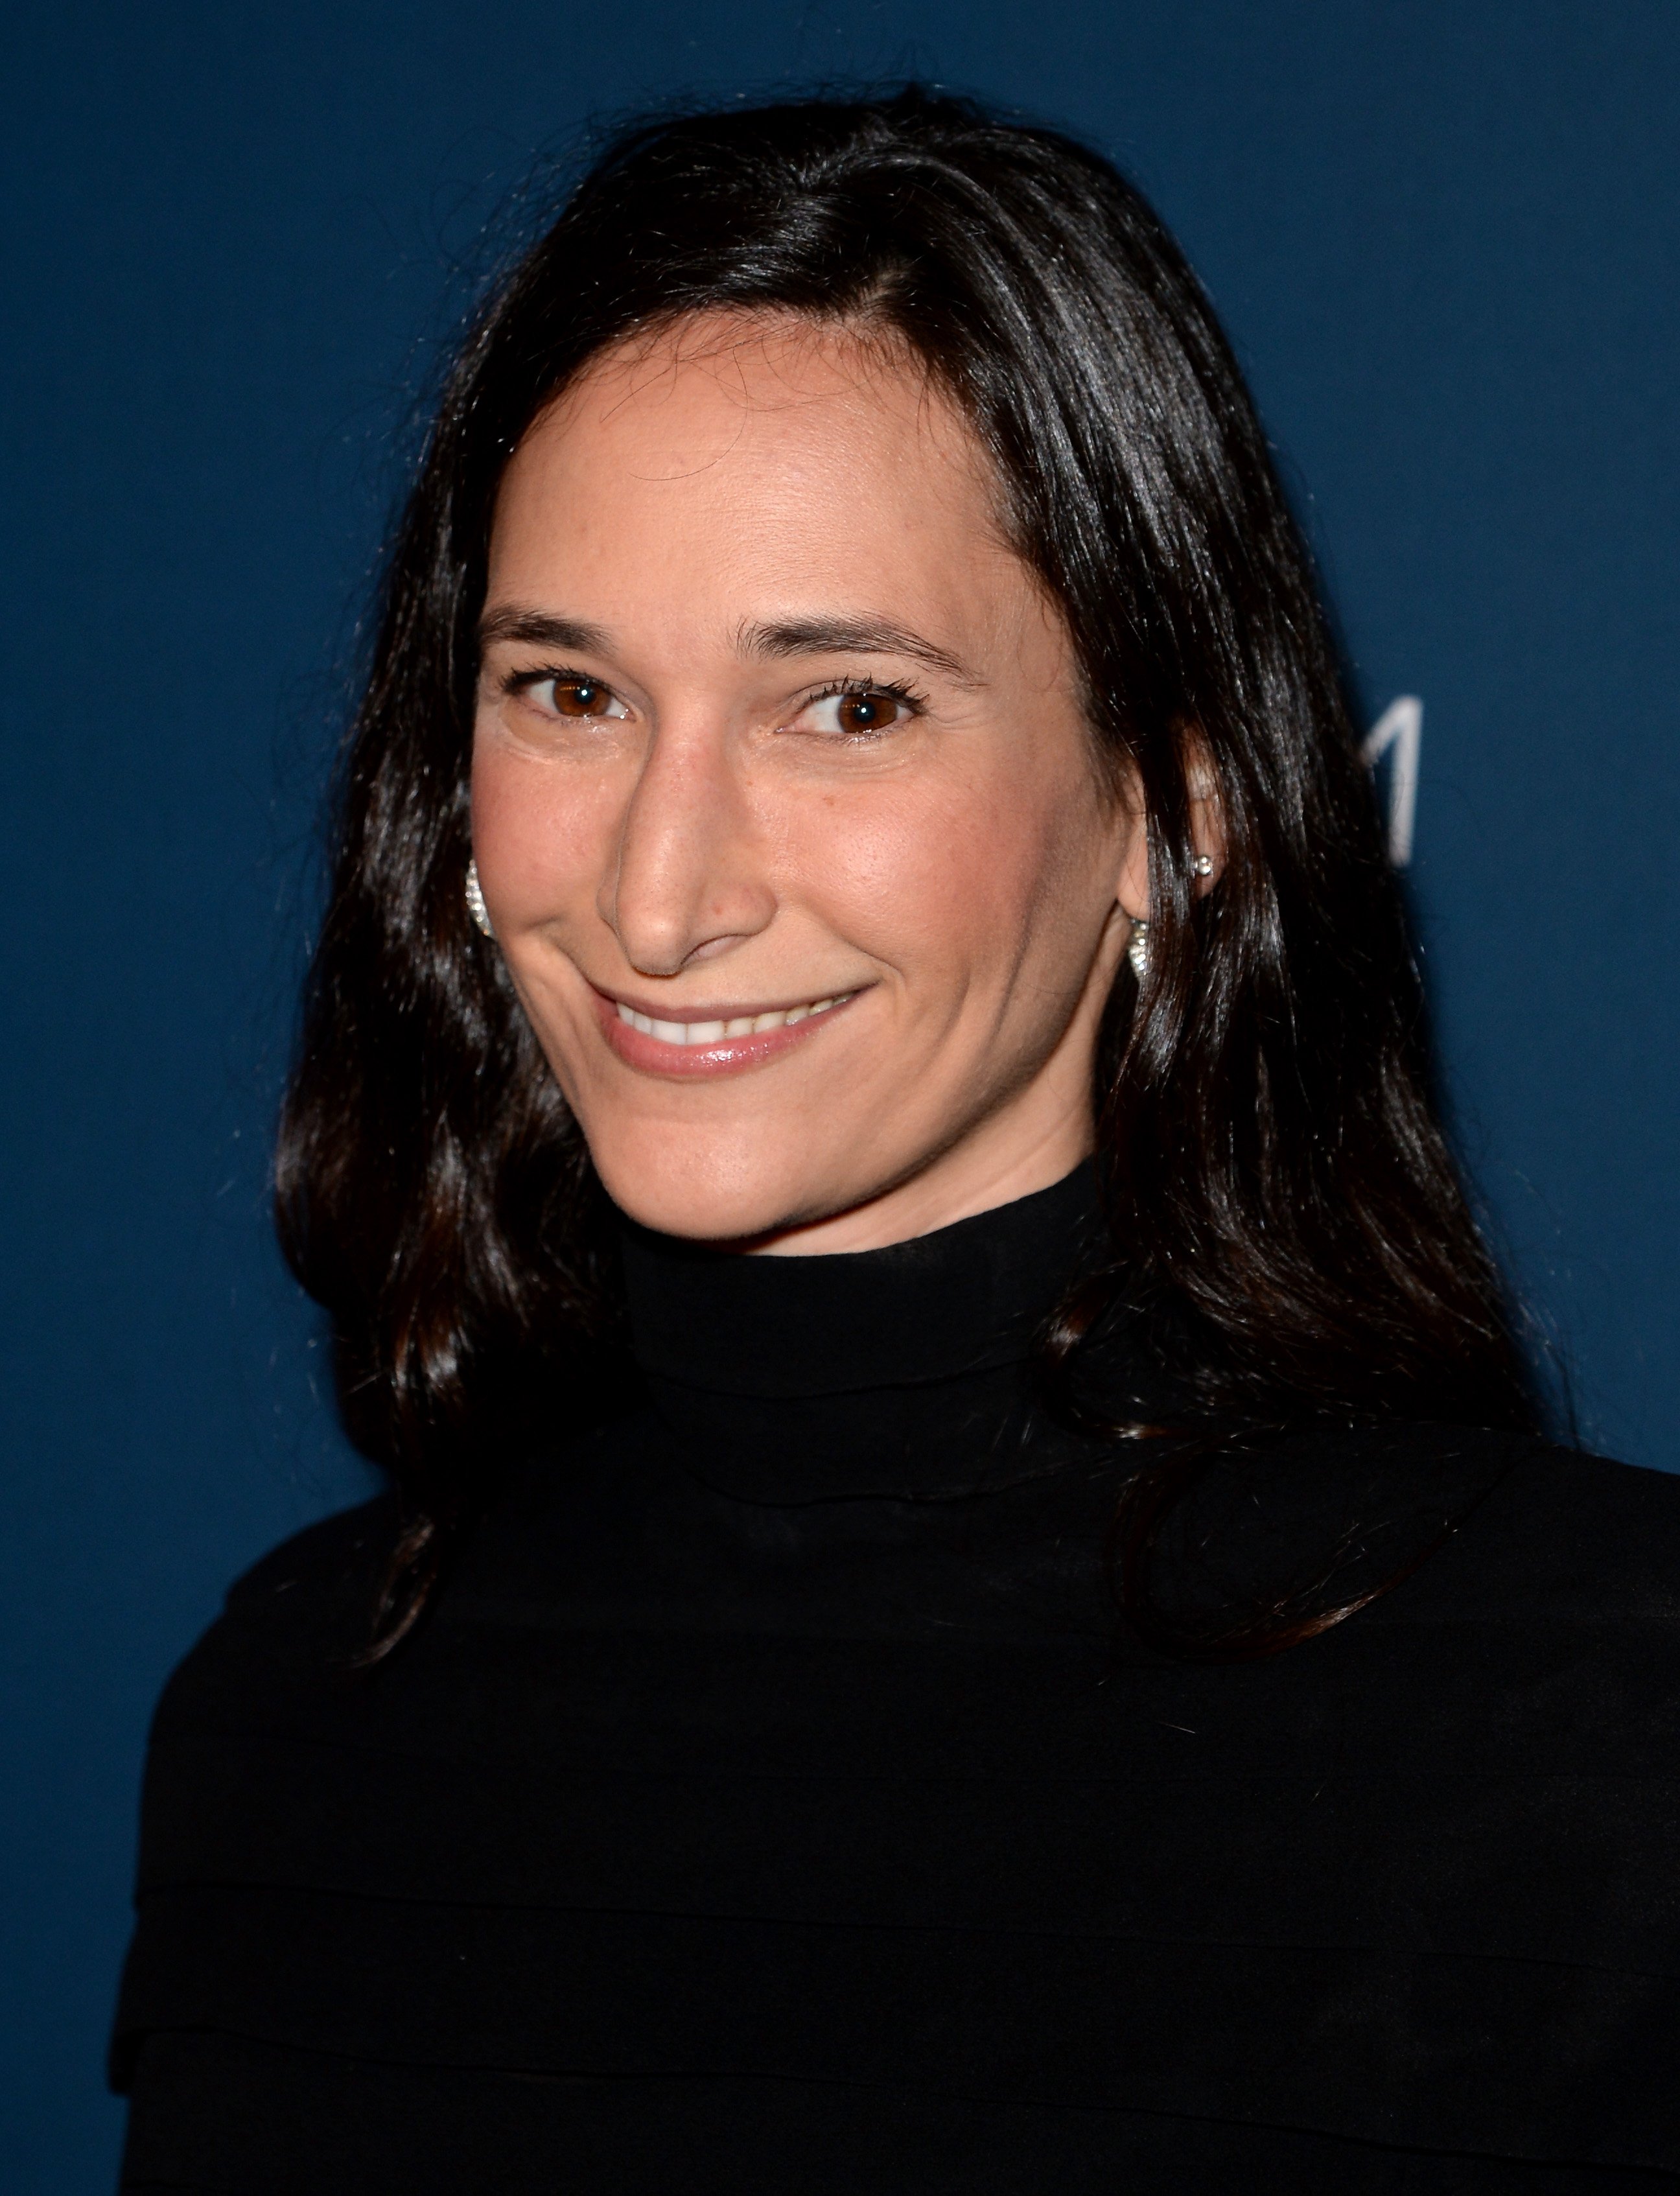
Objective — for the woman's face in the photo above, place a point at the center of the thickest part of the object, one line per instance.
(783, 805)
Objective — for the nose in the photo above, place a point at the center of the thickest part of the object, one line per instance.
(690, 872)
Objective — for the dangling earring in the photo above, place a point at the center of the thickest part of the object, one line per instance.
(475, 900)
(1137, 949)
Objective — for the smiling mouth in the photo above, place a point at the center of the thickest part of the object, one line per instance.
(725, 1032)
(732, 1039)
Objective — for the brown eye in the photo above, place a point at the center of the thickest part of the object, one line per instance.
(860, 712)
(868, 712)
(581, 697)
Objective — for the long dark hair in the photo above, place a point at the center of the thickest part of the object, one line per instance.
(1274, 1169)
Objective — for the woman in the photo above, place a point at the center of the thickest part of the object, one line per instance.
(863, 1101)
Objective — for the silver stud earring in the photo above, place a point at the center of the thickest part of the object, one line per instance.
(1137, 949)
(1202, 866)
(475, 900)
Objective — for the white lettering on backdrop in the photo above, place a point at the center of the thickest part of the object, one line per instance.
(1400, 727)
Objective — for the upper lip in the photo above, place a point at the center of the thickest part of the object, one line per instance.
(667, 1010)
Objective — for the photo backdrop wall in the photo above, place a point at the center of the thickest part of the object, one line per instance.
(1444, 235)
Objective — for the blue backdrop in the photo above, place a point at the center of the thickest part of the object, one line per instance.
(1444, 234)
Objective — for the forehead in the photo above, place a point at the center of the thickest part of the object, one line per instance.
(775, 442)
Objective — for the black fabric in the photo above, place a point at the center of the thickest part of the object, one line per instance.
(769, 1803)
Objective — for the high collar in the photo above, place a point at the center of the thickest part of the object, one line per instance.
(892, 1372)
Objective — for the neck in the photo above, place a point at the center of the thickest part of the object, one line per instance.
(902, 1370)
(978, 1176)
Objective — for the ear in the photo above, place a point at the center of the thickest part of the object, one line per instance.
(1207, 811)
(1207, 832)
(1131, 887)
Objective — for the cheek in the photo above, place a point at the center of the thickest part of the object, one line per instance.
(539, 832)
(948, 876)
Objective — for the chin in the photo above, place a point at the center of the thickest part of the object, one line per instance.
(711, 1196)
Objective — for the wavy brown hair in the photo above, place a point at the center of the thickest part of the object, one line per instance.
(1274, 1167)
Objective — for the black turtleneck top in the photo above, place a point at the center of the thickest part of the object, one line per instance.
(770, 1803)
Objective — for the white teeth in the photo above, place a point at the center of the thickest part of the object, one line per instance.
(715, 1032)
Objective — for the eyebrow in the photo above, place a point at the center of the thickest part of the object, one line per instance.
(821, 636)
(814, 636)
(537, 629)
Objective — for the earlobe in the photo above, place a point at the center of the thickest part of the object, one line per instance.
(1204, 869)
(1131, 887)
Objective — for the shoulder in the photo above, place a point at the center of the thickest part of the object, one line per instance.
(1528, 1518)
(302, 1610)
(345, 1550)
(1574, 1538)
(1426, 1525)
(1538, 1639)
(1602, 1499)
(1510, 1528)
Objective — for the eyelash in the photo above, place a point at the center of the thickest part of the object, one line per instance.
(899, 689)
(521, 682)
